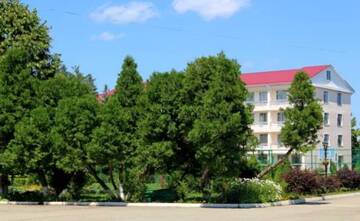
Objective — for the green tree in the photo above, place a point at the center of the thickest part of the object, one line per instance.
(304, 119)
(220, 121)
(164, 148)
(75, 120)
(17, 98)
(355, 134)
(195, 126)
(114, 142)
(355, 144)
(25, 58)
(31, 151)
(22, 28)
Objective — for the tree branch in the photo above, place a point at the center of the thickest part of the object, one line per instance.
(278, 163)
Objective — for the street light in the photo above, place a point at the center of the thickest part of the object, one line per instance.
(326, 162)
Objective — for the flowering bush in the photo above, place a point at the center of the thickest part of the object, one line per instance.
(252, 191)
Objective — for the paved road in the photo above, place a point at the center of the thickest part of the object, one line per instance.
(336, 210)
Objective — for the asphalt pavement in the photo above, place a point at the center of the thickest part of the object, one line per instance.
(345, 209)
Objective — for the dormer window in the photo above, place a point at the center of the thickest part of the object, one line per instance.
(328, 75)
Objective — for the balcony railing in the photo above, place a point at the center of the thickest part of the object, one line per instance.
(270, 146)
(280, 102)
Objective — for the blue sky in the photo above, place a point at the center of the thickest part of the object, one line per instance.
(166, 34)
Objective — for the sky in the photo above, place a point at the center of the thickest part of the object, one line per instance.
(167, 34)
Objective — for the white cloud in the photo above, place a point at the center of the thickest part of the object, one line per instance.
(210, 9)
(132, 12)
(107, 36)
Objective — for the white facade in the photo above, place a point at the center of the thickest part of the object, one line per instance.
(334, 94)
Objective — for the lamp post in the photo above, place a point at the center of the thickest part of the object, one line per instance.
(326, 162)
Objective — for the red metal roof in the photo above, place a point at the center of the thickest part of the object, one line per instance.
(279, 77)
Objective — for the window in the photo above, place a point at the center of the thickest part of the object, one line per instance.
(326, 119)
(296, 160)
(340, 161)
(326, 139)
(281, 95)
(263, 97)
(328, 75)
(281, 117)
(340, 120)
(340, 140)
(263, 139)
(263, 118)
(250, 97)
(326, 97)
(263, 158)
(339, 99)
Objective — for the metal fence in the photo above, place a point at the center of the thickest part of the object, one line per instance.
(313, 160)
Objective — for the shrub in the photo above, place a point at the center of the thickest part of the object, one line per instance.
(301, 181)
(250, 167)
(36, 196)
(329, 184)
(277, 174)
(333, 167)
(164, 195)
(348, 178)
(252, 191)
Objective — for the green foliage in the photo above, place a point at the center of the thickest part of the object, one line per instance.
(16, 90)
(355, 134)
(114, 141)
(355, 145)
(35, 196)
(333, 167)
(32, 149)
(305, 118)
(164, 146)
(22, 28)
(278, 173)
(251, 191)
(217, 117)
(249, 167)
(75, 119)
(25, 59)
(129, 85)
(195, 124)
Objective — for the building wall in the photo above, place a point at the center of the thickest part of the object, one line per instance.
(272, 127)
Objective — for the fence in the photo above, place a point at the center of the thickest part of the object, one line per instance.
(313, 160)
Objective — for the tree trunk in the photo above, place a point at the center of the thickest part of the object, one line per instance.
(204, 180)
(122, 181)
(101, 182)
(44, 182)
(278, 163)
(112, 180)
(4, 184)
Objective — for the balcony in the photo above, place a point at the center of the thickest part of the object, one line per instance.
(280, 102)
(270, 106)
(266, 127)
(275, 148)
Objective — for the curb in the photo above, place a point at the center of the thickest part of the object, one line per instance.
(187, 205)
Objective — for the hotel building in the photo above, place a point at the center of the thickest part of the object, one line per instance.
(268, 93)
